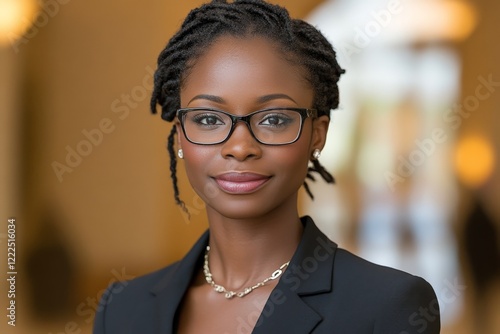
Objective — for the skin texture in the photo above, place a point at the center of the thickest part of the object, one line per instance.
(251, 234)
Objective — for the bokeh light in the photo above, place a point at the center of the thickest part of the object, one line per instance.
(16, 16)
(474, 160)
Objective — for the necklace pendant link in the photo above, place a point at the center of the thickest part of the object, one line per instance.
(230, 294)
(276, 274)
(245, 292)
(219, 288)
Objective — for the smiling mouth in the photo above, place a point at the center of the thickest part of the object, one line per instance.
(241, 183)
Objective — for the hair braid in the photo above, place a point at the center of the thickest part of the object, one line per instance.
(173, 168)
(322, 66)
(303, 43)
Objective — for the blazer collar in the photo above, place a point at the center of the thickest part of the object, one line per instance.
(312, 263)
(310, 272)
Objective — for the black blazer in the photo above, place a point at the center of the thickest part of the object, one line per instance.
(325, 290)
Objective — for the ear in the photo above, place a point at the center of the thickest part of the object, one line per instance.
(320, 129)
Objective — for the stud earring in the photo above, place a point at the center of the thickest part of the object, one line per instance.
(316, 154)
(180, 153)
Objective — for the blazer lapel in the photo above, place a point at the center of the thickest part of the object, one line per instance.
(293, 316)
(310, 273)
(171, 288)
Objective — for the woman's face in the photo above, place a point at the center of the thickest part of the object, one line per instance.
(242, 178)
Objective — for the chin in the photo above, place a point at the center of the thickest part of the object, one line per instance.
(241, 209)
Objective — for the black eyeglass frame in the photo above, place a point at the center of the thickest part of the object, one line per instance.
(304, 113)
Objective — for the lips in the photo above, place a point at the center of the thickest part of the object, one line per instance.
(241, 183)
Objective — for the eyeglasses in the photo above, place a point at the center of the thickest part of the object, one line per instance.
(273, 126)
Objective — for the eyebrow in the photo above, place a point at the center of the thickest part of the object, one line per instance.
(262, 99)
(271, 97)
(212, 98)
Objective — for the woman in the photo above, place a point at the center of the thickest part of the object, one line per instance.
(250, 91)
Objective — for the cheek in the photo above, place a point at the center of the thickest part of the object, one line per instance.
(291, 161)
(196, 161)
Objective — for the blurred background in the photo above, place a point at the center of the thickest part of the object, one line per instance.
(84, 170)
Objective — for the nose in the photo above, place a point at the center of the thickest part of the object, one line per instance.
(241, 145)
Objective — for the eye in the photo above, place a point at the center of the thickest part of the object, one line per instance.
(275, 120)
(207, 118)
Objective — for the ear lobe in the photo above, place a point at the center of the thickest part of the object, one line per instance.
(320, 129)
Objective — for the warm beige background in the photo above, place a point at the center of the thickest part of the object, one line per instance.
(115, 209)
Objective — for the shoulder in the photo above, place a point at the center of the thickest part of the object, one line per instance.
(129, 306)
(123, 301)
(394, 298)
(358, 270)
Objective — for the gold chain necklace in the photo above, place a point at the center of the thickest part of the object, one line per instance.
(230, 294)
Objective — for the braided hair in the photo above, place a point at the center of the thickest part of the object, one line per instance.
(302, 42)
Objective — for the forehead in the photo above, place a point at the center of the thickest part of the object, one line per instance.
(246, 68)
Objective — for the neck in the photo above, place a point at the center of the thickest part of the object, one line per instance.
(246, 251)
